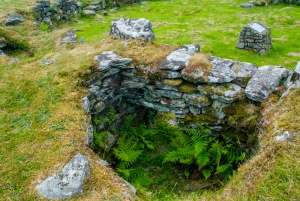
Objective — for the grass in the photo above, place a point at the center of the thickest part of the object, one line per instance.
(42, 124)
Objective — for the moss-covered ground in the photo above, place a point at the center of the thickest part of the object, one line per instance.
(42, 124)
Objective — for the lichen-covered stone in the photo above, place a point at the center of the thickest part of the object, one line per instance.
(108, 59)
(169, 94)
(171, 75)
(197, 100)
(165, 87)
(69, 182)
(179, 58)
(244, 71)
(221, 72)
(126, 28)
(2, 53)
(89, 12)
(264, 82)
(226, 93)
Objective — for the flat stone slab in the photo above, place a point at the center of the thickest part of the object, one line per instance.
(179, 58)
(126, 28)
(198, 100)
(247, 5)
(264, 82)
(109, 59)
(221, 71)
(69, 37)
(69, 182)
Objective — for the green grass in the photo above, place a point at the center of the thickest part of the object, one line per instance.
(215, 26)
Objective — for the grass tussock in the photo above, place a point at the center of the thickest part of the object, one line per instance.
(198, 63)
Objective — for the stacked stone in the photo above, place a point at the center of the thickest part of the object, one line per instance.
(255, 36)
(121, 88)
(61, 10)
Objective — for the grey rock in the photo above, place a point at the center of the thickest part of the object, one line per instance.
(195, 110)
(2, 53)
(111, 72)
(113, 9)
(165, 87)
(104, 162)
(99, 107)
(132, 188)
(177, 103)
(86, 105)
(106, 60)
(94, 8)
(69, 37)
(221, 71)
(285, 137)
(275, 2)
(13, 20)
(179, 58)
(171, 75)
(110, 141)
(15, 60)
(90, 133)
(126, 28)
(48, 62)
(132, 84)
(240, 45)
(244, 71)
(2, 42)
(246, 5)
(218, 107)
(264, 82)
(151, 105)
(144, 2)
(226, 93)
(293, 80)
(79, 4)
(167, 93)
(89, 12)
(198, 100)
(69, 182)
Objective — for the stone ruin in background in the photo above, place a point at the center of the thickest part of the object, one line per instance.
(59, 11)
(255, 36)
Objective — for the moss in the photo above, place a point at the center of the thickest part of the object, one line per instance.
(186, 87)
(172, 82)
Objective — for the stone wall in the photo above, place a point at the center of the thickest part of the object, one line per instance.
(59, 11)
(224, 96)
(255, 36)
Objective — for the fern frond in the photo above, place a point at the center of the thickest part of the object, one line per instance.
(203, 159)
(124, 172)
(215, 152)
(223, 168)
(207, 172)
(199, 146)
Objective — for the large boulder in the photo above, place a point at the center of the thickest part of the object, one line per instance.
(13, 20)
(69, 182)
(264, 82)
(179, 58)
(126, 28)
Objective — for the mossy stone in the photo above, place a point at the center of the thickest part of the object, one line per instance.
(172, 82)
(188, 88)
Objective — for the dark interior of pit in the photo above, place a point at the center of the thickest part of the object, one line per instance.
(136, 146)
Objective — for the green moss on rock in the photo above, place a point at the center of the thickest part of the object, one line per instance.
(188, 88)
(172, 82)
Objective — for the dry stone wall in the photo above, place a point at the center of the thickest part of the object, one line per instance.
(228, 93)
(58, 11)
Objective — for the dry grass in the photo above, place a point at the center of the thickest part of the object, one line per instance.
(198, 63)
